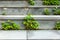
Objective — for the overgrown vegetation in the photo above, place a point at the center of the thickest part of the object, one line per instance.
(30, 23)
(10, 25)
(56, 11)
(57, 25)
(51, 2)
(31, 2)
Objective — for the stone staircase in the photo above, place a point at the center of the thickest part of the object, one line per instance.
(16, 10)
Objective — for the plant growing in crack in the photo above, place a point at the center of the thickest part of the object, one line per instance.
(57, 25)
(31, 2)
(10, 25)
(51, 2)
(30, 23)
(46, 11)
(56, 11)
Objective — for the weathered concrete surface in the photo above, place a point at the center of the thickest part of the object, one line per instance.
(17, 34)
(43, 34)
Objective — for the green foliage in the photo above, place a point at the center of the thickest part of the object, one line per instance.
(56, 11)
(10, 25)
(46, 2)
(57, 26)
(30, 23)
(46, 11)
(51, 2)
(31, 2)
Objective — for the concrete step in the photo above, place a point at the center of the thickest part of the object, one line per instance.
(43, 34)
(11, 35)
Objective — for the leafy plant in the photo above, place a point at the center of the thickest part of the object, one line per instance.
(31, 2)
(46, 2)
(10, 25)
(56, 11)
(57, 26)
(51, 2)
(46, 11)
(30, 23)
